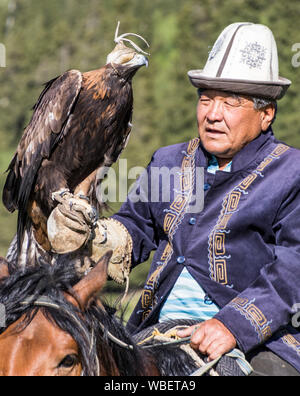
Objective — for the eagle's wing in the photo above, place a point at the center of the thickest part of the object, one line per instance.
(46, 128)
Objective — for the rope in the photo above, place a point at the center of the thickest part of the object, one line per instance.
(205, 368)
(45, 301)
(170, 338)
(243, 364)
(169, 334)
(120, 301)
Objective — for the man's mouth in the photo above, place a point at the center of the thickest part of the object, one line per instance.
(214, 131)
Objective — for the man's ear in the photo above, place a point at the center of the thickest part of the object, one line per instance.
(267, 116)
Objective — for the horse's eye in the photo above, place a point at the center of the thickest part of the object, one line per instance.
(69, 361)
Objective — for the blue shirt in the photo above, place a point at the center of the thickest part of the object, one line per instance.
(187, 299)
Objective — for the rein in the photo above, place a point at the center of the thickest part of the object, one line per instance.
(44, 301)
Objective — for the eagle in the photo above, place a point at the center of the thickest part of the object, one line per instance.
(80, 123)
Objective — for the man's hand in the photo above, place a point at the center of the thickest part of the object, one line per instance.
(211, 338)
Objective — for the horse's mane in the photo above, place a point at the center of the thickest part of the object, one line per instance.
(53, 282)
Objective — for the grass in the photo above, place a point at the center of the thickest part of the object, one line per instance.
(111, 299)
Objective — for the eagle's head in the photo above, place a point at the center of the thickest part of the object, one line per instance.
(127, 60)
(127, 57)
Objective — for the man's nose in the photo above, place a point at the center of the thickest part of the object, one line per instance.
(215, 112)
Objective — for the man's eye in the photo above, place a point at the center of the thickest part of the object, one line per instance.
(205, 101)
(69, 361)
(231, 102)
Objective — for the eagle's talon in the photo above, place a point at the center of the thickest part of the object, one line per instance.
(86, 198)
(64, 192)
(60, 194)
(94, 216)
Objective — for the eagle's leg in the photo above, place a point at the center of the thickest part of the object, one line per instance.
(83, 189)
(39, 222)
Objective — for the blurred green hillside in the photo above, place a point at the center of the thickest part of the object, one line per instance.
(45, 38)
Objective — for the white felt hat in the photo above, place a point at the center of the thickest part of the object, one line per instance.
(243, 60)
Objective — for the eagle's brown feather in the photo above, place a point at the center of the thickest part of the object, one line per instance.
(80, 123)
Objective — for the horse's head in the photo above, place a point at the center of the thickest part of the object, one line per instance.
(54, 325)
(46, 332)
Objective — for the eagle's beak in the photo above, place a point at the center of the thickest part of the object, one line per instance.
(138, 61)
(122, 55)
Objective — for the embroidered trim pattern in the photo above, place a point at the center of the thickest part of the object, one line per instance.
(252, 313)
(173, 218)
(217, 253)
(291, 342)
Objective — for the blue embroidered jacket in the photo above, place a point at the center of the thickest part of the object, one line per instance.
(242, 247)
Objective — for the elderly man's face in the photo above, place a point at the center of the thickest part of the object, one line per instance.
(227, 123)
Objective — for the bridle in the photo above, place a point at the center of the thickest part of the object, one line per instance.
(45, 301)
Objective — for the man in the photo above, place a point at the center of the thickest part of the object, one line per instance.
(233, 264)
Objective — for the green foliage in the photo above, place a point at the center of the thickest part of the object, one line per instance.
(45, 38)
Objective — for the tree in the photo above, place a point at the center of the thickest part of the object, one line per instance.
(45, 38)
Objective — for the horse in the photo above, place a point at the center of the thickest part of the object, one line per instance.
(56, 325)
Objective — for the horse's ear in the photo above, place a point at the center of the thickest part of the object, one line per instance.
(94, 281)
(4, 273)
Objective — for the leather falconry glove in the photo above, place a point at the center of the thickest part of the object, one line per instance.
(70, 225)
(113, 235)
(74, 224)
